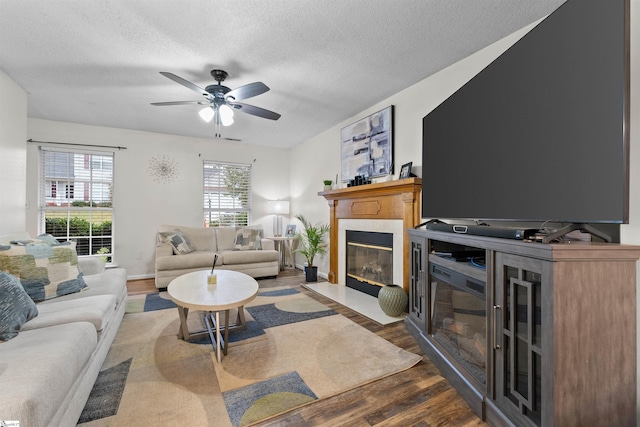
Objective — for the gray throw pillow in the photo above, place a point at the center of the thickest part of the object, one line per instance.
(247, 239)
(16, 307)
(179, 242)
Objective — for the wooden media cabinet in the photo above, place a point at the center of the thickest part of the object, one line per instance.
(530, 334)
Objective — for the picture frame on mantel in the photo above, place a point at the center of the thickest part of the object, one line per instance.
(405, 170)
(367, 146)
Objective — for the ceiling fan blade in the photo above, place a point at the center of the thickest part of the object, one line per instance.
(186, 83)
(256, 111)
(181, 103)
(248, 91)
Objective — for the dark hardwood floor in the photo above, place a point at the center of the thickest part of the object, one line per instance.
(419, 396)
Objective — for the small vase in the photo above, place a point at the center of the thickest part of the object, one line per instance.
(393, 300)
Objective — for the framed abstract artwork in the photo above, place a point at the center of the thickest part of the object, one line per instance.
(367, 146)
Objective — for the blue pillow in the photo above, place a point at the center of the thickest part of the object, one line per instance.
(16, 307)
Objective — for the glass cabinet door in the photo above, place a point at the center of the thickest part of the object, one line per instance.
(518, 336)
(417, 301)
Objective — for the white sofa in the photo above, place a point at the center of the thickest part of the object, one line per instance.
(48, 370)
(208, 242)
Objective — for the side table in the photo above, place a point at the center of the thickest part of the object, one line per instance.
(285, 248)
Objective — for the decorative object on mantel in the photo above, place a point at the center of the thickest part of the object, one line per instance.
(327, 184)
(405, 171)
(393, 300)
(359, 180)
(162, 169)
(367, 146)
(311, 244)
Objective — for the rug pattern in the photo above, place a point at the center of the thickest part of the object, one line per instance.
(266, 398)
(106, 393)
(295, 351)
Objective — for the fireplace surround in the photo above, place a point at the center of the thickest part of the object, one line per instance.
(392, 204)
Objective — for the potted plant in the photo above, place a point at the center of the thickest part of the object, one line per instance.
(312, 243)
(327, 184)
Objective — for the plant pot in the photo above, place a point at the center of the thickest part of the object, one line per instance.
(327, 187)
(311, 273)
(393, 300)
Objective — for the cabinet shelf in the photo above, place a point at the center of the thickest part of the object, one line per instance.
(461, 267)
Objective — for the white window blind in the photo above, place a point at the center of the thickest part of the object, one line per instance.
(227, 194)
(76, 199)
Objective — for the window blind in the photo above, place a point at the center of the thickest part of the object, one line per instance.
(227, 194)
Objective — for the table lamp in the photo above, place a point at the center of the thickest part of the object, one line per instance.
(277, 208)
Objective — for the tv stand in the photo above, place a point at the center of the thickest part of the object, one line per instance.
(576, 226)
(544, 335)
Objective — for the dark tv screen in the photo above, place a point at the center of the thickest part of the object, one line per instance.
(541, 134)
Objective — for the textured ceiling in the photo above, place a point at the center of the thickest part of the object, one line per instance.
(97, 62)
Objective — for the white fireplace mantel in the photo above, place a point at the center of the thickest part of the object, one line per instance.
(393, 200)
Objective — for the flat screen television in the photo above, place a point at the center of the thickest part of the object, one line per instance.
(541, 134)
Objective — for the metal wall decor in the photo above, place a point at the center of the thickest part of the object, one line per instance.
(162, 169)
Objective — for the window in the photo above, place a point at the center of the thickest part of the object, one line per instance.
(227, 194)
(76, 199)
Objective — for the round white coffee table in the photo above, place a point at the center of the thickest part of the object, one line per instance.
(191, 291)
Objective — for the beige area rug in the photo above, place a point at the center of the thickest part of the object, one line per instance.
(296, 351)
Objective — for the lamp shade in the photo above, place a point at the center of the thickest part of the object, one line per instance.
(206, 114)
(278, 207)
(226, 115)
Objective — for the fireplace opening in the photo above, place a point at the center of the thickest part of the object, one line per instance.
(369, 263)
(459, 318)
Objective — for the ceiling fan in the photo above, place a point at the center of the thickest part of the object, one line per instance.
(221, 101)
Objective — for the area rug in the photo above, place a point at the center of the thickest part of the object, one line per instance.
(298, 351)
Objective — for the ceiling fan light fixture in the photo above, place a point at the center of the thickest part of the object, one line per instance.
(206, 114)
(226, 115)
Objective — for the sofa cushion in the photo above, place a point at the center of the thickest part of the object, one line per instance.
(226, 238)
(97, 310)
(178, 240)
(45, 271)
(39, 367)
(248, 257)
(247, 239)
(89, 265)
(197, 259)
(16, 307)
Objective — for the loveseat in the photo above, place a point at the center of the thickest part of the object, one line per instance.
(181, 250)
(49, 364)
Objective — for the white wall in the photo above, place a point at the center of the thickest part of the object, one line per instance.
(13, 155)
(319, 157)
(142, 204)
